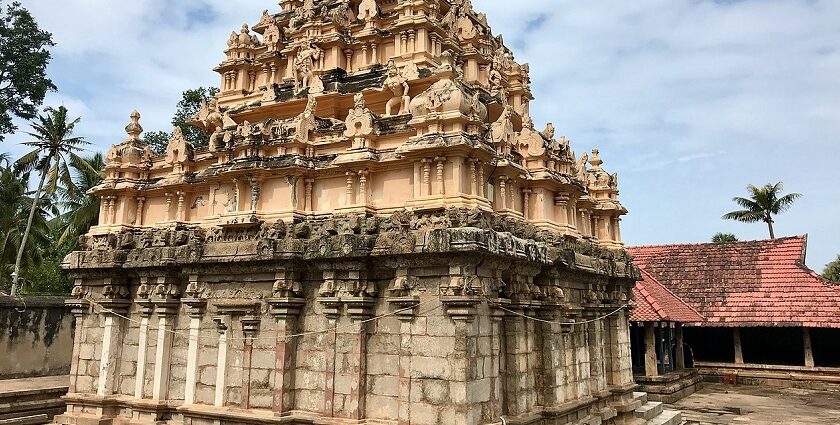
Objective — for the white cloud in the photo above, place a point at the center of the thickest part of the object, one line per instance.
(690, 99)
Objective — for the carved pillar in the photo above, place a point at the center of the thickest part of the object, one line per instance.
(441, 186)
(363, 192)
(146, 308)
(526, 203)
(406, 307)
(519, 379)
(473, 176)
(427, 171)
(482, 182)
(166, 309)
(503, 196)
(308, 195)
(348, 191)
(138, 220)
(223, 326)
(348, 60)
(374, 48)
(115, 308)
(196, 306)
(679, 361)
(250, 327)
(286, 309)
(79, 308)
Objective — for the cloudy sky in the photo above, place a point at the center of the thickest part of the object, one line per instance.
(689, 100)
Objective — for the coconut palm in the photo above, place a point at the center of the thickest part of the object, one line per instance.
(15, 206)
(763, 203)
(81, 210)
(53, 147)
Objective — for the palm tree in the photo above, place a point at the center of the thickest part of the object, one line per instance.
(81, 211)
(15, 205)
(763, 204)
(53, 145)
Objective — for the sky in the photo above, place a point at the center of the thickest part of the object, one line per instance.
(688, 100)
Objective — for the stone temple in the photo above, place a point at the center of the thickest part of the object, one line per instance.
(376, 234)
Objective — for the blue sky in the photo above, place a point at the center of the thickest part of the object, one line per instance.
(688, 100)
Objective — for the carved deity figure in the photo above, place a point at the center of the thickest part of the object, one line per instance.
(305, 60)
(342, 15)
(502, 132)
(208, 116)
(306, 122)
(303, 14)
(368, 10)
(398, 85)
(359, 123)
(549, 131)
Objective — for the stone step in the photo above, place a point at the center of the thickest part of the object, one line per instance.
(26, 420)
(649, 410)
(642, 397)
(667, 417)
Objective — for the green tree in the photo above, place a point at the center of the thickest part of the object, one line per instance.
(80, 210)
(832, 270)
(24, 56)
(721, 237)
(763, 203)
(54, 145)
(15, 206)
(190, 104)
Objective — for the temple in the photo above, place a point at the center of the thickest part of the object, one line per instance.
(376, 233)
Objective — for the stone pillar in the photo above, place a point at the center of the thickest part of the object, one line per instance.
(406, 308)
(462, 310)
(680, 351)
(519, 379)
(115, 308)
(739, 353)
(166, 311)
(651, 365)
(809, 350)
(553, 369)
(360, 309)
(195, 309)
(250, 327)
(146, 308)
(286, 310)
(79, 309)
(223, 326)
(597, 358)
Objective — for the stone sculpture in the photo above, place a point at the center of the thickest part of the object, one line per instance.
(398, 85)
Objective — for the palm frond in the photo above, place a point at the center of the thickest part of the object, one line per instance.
(745, 216)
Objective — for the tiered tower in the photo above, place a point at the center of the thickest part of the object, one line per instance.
(376, 234)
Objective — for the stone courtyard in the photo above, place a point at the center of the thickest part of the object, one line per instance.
(718, 404)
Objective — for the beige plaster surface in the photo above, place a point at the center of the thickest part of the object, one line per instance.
(718, 404)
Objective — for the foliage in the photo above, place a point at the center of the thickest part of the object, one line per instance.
(80, 210)
(763, 203)
(15, 205)
(187, 108)
(832, 270)
(55, 147)
(24, 57)
(721, 237)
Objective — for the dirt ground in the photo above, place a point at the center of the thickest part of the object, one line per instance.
(724, 404)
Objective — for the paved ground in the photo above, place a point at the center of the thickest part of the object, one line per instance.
(724, 405)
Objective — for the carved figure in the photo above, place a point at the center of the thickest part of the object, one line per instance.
(305, 61)
(548, 133)
(305, 122)
(342, 15)
(398, 85)
(303, 14)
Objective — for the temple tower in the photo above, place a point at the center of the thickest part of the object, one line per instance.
(376, 234)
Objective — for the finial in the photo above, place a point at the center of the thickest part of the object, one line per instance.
(134, 129)
(595, 161)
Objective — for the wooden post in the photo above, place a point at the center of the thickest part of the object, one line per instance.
(651, 368)
(680, 356)
(739, 353)
(809, 350)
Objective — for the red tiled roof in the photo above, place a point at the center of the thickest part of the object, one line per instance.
(757, 283)
(655, 303)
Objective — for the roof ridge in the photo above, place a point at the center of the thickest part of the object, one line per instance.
(786, 238)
